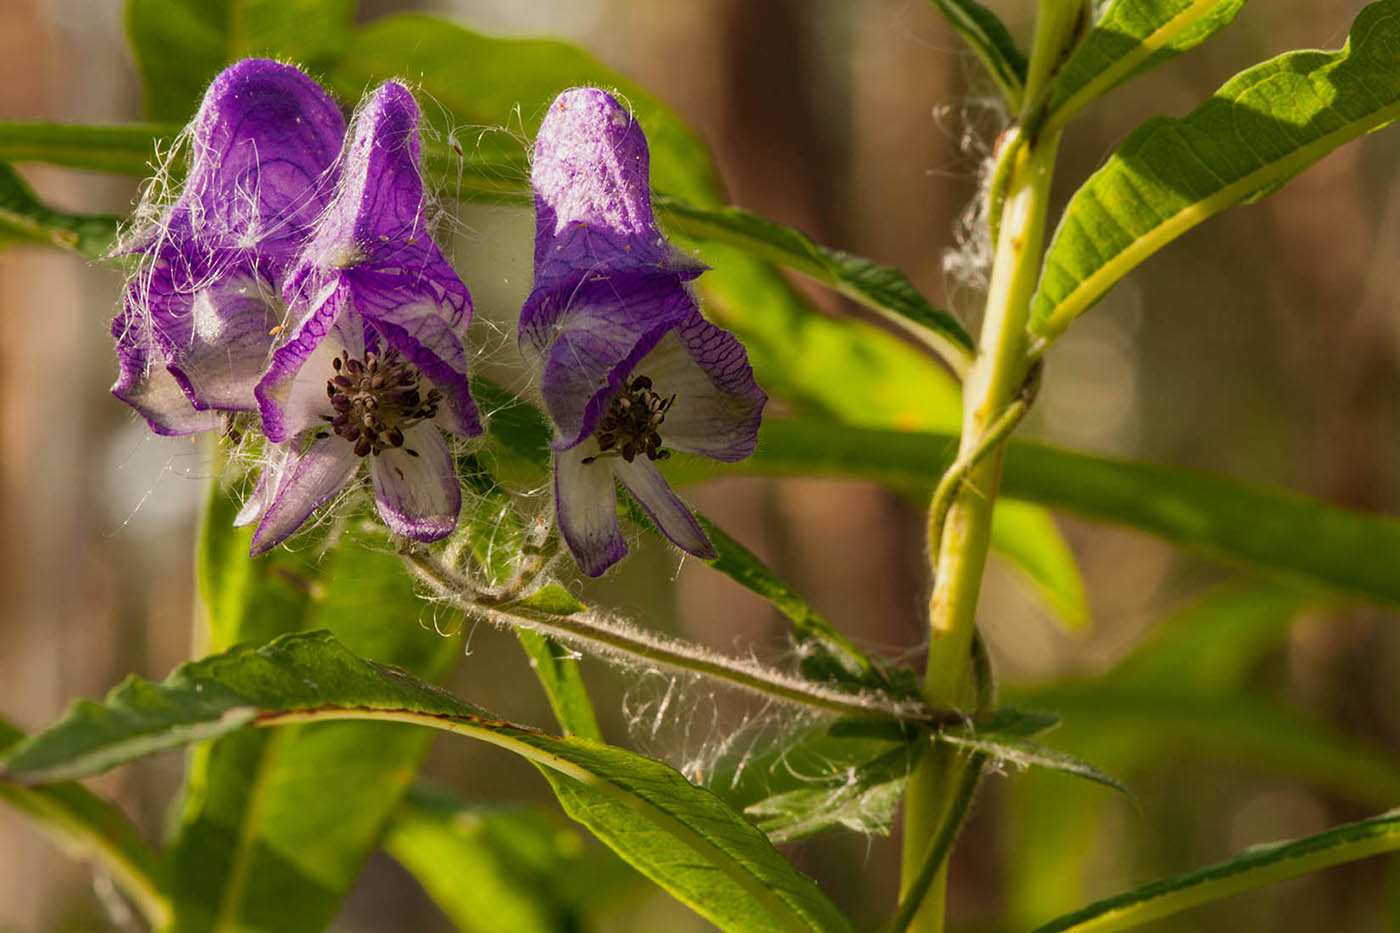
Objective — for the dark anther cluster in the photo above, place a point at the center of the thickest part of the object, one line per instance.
(631, 422)
(376, 399)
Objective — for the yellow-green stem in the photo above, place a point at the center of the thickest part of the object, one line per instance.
(959, 538)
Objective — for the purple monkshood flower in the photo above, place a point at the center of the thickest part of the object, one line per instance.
(370, 364)
(627, 365)
(195, 329)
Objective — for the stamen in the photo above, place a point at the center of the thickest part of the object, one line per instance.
(376, 399)
(630, 425)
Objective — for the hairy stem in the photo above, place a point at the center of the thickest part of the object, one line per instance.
(588, 631)
(996, 394)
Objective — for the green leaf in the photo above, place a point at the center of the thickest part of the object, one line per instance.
(1263, 127)
(24, 219)
(89, 828)
(128, 149)
(1220, 518)
(264, 840)
(1133, 36)
(1013, 749)
(1027, 536)
(1251, 869)
(993, 44)
(493, 868)
(862, 798)
(881, 288)
(180, 45)
(681, 836)
(557, 668)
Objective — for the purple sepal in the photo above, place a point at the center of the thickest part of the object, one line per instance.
(417, 493)
(585, 499)
(372, 249)
(263, 147)
(146, 385)
(591, 177)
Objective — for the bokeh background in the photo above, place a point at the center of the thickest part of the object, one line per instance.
(1262, 346)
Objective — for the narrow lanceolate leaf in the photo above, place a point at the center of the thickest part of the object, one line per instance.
(883, 289)
(1132, 37)
(88, 827)
(493, 868)
(681, 836)
(26, 219)
(990, 40)
(1014, 750)
(1251, 869)
(1220, 518)
(1258, 131)
(179, 45)
(127, 149)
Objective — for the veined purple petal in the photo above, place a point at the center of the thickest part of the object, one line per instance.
(592, 198)
(264, 146)
(265, 141)
(585, 500)
(586, 342)
(317, 475)
(374, 248)
(292, 394)
(646, 484)
(718, 406)
(417, 493)
(146, 385)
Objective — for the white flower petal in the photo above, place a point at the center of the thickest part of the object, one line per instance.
(646, 484)
(311, 481)
(418, 496)
(586, 500)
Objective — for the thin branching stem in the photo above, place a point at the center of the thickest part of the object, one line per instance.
(593, 632)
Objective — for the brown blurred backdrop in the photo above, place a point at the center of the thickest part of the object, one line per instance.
(1262, 346)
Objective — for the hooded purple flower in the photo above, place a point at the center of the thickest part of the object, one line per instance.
(627, 365)
(371, 364)
(195, 329)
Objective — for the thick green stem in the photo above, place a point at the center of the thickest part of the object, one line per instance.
(959, 534)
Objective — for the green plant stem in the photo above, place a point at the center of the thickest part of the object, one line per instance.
(959, 533)
(608, 636)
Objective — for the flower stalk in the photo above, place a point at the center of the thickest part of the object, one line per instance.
(996, 394)
(589, 631)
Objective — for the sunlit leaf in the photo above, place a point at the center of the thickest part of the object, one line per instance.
(24, 219)
(89, 828)
(1027, 537)
(990, 40)
(1131, 37)
(493, 868)
(1251, 869)
(681, 836)
(1263, 127)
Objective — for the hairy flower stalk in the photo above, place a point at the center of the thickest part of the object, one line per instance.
(589, 631)
(627, 366)
(372, 365)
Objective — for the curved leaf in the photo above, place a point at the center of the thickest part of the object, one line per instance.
(1263, 127)
(26, 219)
(1131, 37)
(88, 827)
(680, 835)
(1026, 535)
(989, 38)
(492, 868)
(1251, 869)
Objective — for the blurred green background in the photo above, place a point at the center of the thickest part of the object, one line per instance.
(1262, 346)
